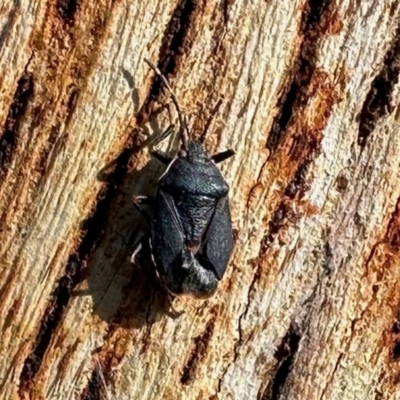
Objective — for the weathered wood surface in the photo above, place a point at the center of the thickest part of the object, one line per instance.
(309, 307)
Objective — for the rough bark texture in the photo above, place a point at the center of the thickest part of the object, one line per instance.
(310, 306)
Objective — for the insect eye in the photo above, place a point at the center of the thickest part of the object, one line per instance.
(182, 153)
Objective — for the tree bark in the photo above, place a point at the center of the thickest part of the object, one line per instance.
(308, 98)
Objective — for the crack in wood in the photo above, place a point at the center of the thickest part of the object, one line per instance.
(297, 184)
(285, 356)
(94, 389)
(78, 73)
(106, 359)
(303, 135)
(304, 148)
(67, 9)
(18, 108)
(171, 50)
(378, 102)
(335, 368)
(315, 21)
(49, 323)
(226, 6)
(47, 111)
(392, 239)
(315, 18)
(74, 272)
(240, 329)
(174, 38)
(199, 351)
(394, 352)
(55, 141)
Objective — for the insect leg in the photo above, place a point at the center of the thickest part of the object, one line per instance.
(161, 108)
(182, 120)
(146, 200)
(208, 123)
(161, 156)
(139, 246)
(163, 135)
(224, 155)
(143, 200)
(172, 313)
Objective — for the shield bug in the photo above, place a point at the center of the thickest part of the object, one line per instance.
(191, 231)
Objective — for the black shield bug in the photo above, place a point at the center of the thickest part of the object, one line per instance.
(191, 230)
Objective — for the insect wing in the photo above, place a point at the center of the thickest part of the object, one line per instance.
(166, 231)
(219, 240)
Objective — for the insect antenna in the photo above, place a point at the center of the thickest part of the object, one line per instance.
(210, 118)
(182, 118)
